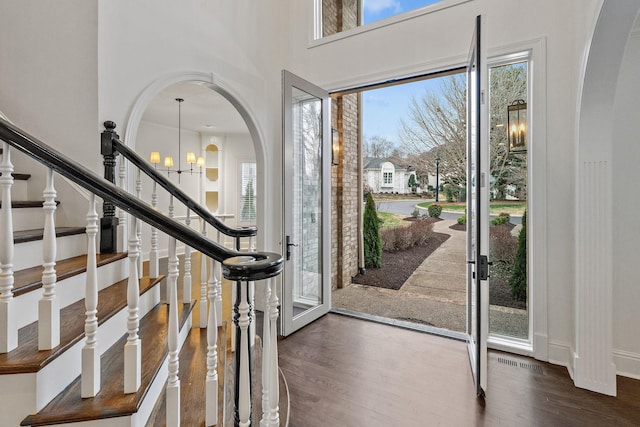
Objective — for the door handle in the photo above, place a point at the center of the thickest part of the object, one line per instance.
(289, 244)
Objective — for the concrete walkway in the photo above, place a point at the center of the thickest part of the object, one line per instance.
(435, 294)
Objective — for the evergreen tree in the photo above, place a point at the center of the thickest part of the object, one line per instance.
(372, 242)
(249, 206)
(413, 183)
(518, 279)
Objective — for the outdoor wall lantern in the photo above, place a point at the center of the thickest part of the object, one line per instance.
(335, 147)
(517, 126)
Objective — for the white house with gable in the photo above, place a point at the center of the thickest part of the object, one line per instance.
(383, 176)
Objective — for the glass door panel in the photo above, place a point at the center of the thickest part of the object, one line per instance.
(478, 210)
(306, 203)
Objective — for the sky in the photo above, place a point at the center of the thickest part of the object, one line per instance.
(383, 108)
(375, 10)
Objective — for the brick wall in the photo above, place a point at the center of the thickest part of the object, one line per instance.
(338, 15)
(346, 179)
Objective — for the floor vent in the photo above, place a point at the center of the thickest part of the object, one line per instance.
(534, 368)
(507, 362)
(530, 366)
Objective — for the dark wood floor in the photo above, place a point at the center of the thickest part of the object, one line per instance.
(350, 373)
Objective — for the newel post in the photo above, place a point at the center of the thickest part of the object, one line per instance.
(109, 221)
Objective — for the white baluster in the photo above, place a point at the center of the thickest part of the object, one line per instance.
(49, 305)
(173, 382)
(90, 378)
(211, 405)
(154, 269)
(203, 282)
(139, 224)
(8, 322)
(266, 353)
(214, 280)
(252, 300)
(218, 283)
(186, 279)
(122, 218)
(274, 389)
(242, 319)
(132, 349)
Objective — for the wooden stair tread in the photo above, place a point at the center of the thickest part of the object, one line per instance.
(20, 176)
(193, 372)
(30, 279)
(23, 204)
(26, 358)
(111, 401)
(37, 234)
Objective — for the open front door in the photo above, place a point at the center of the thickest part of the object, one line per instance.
(307, 203)
(478, 208)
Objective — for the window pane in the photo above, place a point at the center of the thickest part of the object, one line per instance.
(248, 192)
(343, 15)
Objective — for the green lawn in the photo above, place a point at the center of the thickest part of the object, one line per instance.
(495, 208)
(391, 220)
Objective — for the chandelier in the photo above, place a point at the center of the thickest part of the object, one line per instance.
(168, 160)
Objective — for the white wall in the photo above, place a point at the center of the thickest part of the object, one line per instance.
(626, 205)
(238, 43)
(49, 73)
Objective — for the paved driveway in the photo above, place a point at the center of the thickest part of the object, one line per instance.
(406, 207)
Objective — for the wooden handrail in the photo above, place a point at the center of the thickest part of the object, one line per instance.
(241, 266)
(191, 204)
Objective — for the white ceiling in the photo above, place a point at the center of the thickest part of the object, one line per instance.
(201, 107)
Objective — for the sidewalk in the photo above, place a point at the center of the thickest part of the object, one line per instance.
(435, 294)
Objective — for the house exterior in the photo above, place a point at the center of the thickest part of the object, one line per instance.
(383, 176)
(112, 57)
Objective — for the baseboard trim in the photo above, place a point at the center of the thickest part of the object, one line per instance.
(627, 363)
(561, 354)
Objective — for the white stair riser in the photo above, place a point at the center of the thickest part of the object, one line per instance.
(29, 254)
(19, 190)
(140, 418)
(69, 290)
(27, 218)
(56, 376)
(28, 393)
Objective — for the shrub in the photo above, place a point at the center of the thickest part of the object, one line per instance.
(518, 279)
(503, 218)
(462, 219)
(421, 231)
(403, 238)
(371, 228)
(455, 193)
(434, 210)
(416, 212)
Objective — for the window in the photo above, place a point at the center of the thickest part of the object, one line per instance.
(342, 15)
(387, 178)
(247, 192)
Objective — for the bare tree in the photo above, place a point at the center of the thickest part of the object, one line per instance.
(436, 126)
(378, 147)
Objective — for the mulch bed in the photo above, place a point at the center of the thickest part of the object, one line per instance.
(398, 266)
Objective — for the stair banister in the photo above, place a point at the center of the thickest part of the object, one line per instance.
(237, 266)
(197, 208)
(264, 265)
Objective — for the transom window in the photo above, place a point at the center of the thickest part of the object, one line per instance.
(337, 16)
